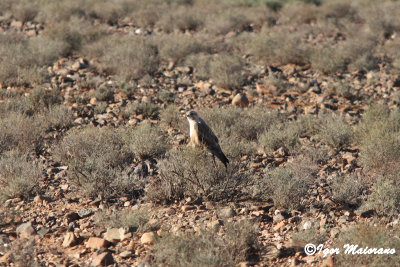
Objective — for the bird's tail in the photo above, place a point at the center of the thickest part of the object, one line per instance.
(221, 156)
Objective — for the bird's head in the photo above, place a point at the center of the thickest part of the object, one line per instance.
(192, 115)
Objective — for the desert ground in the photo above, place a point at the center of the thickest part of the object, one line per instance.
(95, 167)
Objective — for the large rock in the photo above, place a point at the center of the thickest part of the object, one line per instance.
(148, 238)
(102, 259)
(115, 235)
(25, 230)
(96, 243)
(240, 100)
(69, 240)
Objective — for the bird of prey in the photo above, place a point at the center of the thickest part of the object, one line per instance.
(202, 135)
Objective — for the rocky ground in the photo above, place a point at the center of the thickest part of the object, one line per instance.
(61, 226)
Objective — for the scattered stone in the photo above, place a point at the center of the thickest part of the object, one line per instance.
(240, 100)
(96, 243)
(25, 230)
(115, 235)
(226, 212)
(334, 233)
(148, 238)
(83, 213)
(126, 254)
(73, 216)
(6, 258)
(188, 207)
(43, 231)
(69, 240)
(279, 225)
(328, 262)
(102, 259)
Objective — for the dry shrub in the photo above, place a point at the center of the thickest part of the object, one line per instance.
(17, 131)
(334, 131)
(226, 71)
(171, 116)
(279, 48)
(328, 60)
(346, 190)
(130, 58)
(364, 236)
(148, 110)
(226, 21)
(74, 34)
(192, 173)
(58, 117)
(146, 140)
(285, 186)
(181, 18)
(96, 159)
(281, 134)
(378, 136)
(177, 47)
(19, 175)
(385, 197)
(208, 249)
(134, 220)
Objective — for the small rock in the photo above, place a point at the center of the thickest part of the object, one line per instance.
(148, 238)
(73, 216)
(69, 240)
(307, 225)
(279, 225)
(43, 231)
(25, 230)
(125, 254)
(188, 207)
(76, 66)
(115, 235)
(6, 258)
(102, 259)
(93, 101)
(96, 243)
(334, 233)
(266, 89)
(37, 199)
(242, 264)
(83, 213)
(328, 262)
(16, 24)
(240, 100)
(226, 212)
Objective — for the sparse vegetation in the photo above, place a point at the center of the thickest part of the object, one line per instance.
(206, 249)
(146, 141)
(192, 173)
(346, 190)
(372, 237)
(19, 175)
(131, 219)
(96, 158)
(284, 186)
(92, 101)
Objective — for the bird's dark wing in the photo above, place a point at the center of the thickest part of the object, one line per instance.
(206, 135)
(208, 138)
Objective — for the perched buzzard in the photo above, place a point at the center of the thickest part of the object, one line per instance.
(202, 135)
